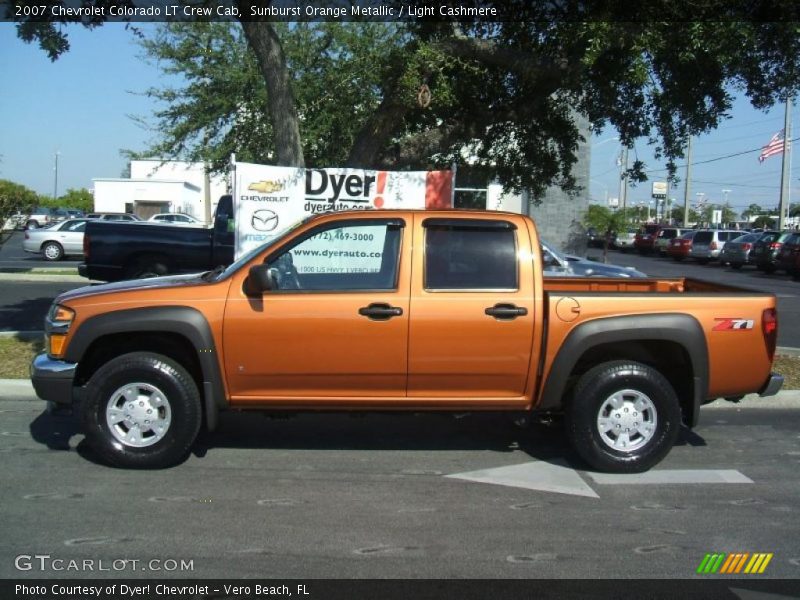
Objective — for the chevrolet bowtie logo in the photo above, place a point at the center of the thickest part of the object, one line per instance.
(264, 220)
(266, 186)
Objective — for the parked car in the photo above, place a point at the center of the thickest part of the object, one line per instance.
(737, 252)
(681, 247)
(59, 214)
(56, 241)
(113, 217)
(787, 255)
(174, 218)
(624, 241)
(707, 243)
(41, 216)
(765, 251)
(645, 239)
(74, 213)
(557, 264)
(664, 236)
(15, 221)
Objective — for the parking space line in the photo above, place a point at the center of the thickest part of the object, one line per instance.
(671, 476)
(541, 476)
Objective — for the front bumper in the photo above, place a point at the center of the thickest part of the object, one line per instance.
(773, 385)
(53, 379)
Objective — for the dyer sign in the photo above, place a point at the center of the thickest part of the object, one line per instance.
(268, 200)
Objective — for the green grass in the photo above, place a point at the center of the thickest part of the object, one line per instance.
(16, 356)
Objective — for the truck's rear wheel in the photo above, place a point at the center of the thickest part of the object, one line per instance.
(623, 417)
(142, 410)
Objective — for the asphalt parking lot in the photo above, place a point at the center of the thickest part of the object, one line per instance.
(422, 496)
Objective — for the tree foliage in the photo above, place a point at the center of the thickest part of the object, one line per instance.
(14, 199)
(500, 97)
(606, 221)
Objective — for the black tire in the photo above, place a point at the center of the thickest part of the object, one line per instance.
(172, 383)
(32, 224)
(147, 267)
(52, 251)
(591, 396)
(736, 266)
(702, 261)
(678, 258)
(768, 269)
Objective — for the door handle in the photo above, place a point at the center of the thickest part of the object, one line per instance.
(506, 311)
(380, 311)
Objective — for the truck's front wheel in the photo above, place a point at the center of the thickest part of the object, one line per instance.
(142, 410)
(623, 417)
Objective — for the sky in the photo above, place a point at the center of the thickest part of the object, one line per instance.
(80, 107)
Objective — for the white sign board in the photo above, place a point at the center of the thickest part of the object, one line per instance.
(268, 200)
(659, 189)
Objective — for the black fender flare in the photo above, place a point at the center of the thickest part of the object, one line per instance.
(182, 320)
(682, 329)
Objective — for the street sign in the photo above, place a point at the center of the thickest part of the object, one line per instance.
(659, 189)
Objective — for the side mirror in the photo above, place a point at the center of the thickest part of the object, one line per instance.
(261, 279)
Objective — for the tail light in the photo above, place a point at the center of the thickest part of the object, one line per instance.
(27, 235)
(746, 247)
(712, 246)
(769, 327)
(775, 245)
(86, 247)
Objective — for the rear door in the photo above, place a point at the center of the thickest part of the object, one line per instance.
(472, 309)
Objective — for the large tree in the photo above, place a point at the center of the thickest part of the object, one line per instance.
(501, 97)
(16, 203)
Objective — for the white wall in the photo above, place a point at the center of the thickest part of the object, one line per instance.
(180, 171)
(111, 195)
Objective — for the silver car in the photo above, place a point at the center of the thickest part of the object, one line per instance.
(737, 252)
(707, 243)
(557, 264)
(56, 241)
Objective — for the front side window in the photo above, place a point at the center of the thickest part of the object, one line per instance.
(359, 255)
(474, 255)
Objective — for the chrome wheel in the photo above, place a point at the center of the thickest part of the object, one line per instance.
(627, 420)
(138, 415)
(52, 251)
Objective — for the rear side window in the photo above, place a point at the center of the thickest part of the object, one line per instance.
(475, 255)
(703, 237)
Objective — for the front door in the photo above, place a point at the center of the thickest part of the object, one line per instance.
(335, 327)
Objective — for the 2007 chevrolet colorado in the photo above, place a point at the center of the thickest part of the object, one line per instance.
(403, 310)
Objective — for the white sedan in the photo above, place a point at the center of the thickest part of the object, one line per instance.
(56, 241)
(174, 218)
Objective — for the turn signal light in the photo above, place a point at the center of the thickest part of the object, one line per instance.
(56, 345)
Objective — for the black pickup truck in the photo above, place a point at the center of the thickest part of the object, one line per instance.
(120, 250)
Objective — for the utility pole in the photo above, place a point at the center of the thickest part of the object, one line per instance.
(623, 177)
(687, 184)
(786, 165)
(55, 184)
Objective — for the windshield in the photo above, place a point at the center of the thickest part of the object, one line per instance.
(248, 256)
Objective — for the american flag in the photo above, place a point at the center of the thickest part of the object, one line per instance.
(774, 147)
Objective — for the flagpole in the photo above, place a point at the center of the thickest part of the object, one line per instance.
(786, 164)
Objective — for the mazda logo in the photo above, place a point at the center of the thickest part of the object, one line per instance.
(264, 220)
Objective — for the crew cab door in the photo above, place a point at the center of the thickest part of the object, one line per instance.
(336, 326)
(471, 309)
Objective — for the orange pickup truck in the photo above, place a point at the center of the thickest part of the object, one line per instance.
(403, 311)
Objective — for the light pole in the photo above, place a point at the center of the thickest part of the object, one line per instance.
(55, 183)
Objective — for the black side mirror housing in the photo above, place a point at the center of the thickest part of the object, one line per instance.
(261, 279)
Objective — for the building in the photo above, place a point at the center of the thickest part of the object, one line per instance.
(158, 186)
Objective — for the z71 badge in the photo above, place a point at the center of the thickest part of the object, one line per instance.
(729, 324)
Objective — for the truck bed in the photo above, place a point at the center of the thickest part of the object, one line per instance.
(577, 285)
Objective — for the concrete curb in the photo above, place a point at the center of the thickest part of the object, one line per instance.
(43, 277)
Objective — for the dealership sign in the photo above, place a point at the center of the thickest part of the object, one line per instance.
(269, 200)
